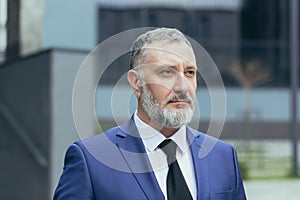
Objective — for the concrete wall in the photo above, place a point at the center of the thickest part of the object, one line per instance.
(36, 122)
(24, 124)
(64, 68)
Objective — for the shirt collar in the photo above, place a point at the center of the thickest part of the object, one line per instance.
(152, 138)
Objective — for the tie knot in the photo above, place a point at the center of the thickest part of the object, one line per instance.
(168, 146)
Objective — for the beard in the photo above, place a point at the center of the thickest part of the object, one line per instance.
(169, 118)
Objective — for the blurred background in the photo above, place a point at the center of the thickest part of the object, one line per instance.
(43, 43)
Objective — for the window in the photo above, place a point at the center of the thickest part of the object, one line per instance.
(227, 35)
(3, 32)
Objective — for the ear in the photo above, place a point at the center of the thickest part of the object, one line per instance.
(134, 81)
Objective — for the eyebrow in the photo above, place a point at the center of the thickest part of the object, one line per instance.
(191, 67)
(175, 67)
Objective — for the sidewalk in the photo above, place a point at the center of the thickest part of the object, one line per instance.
(272, 189)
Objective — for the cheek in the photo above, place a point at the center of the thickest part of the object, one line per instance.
(193, 86)
(159, 92)
(192, 91)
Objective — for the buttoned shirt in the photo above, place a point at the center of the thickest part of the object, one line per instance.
(158, 159)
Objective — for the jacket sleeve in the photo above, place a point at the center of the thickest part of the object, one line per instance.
(240, 192)
(75, 180)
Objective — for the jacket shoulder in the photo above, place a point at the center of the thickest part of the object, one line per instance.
(109, 134)
(210, 145)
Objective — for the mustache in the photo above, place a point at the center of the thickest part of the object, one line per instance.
(180, 97)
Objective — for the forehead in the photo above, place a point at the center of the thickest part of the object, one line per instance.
(164, 53)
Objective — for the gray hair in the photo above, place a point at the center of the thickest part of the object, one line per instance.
(166, 35)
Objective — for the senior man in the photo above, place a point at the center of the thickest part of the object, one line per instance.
(155, 154)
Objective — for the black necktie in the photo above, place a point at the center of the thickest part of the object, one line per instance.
(177, 188)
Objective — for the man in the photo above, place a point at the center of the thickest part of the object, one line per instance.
(154, 155)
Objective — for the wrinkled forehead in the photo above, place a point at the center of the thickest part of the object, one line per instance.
(174, 51)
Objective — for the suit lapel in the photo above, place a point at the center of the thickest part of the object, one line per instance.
(133, 152)
(201, 164)
(132, 149)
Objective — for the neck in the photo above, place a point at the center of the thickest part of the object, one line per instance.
(167, 132)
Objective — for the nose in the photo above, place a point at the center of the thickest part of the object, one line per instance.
(181, 84)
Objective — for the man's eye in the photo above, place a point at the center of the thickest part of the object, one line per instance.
(190, 73)
(167, 72)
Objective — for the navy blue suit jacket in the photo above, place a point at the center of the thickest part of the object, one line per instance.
(114, 166)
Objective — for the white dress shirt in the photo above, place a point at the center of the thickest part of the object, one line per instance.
(158, 159)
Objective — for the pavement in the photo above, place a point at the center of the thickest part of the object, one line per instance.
(273, 189)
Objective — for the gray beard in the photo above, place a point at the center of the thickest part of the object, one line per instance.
(169, 118)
